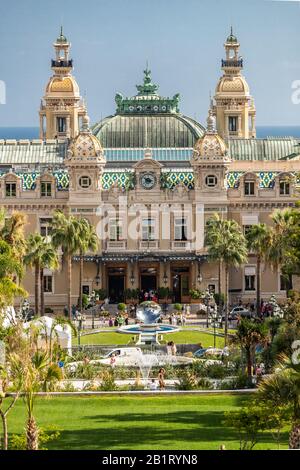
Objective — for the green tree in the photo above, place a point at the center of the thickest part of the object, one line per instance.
(12, 232)
(258, 240)
(49, 260)
(227, 245)
(35, 372)
(250, 334)
(33, 259)
(10, 269)
(88, 242)
(282, 388)
(283, 252)
(66, 234)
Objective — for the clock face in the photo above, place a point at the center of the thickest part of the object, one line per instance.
(148, 180)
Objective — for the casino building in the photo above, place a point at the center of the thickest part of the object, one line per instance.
(149, 178)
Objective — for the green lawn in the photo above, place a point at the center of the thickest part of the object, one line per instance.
(162, 422)
(182, 337)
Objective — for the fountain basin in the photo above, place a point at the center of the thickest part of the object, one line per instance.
(148, 334)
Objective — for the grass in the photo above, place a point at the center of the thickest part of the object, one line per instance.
(182, 337)
(117, 423)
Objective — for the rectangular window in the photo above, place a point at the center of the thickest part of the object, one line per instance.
(232, 123)
(286, 282)
(148, 229)
(284, 188)
(48, 284)
(86, 290)
(46, 189)
(212, 288)
(10, 189)
(45, 227)
(115, 230)
(249, 188)
(61, 125)
(249, 282)
(180, 228)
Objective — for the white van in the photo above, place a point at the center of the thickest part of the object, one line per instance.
(123, 356)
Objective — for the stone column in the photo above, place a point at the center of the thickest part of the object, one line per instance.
(68, 127)
(239, 125)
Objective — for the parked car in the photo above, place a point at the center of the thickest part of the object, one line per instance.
(238, 311)
(123, 356)
(207, 352)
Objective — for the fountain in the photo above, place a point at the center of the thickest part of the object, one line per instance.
(148, 313)
(145, 363)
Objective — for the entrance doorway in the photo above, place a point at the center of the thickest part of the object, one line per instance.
(148, 283)
(180, 278)
(116, 285)
(148, 279)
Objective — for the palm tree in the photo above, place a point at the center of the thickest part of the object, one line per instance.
(283, 389)
(33, 258)
(10, 268)
(88, 241)
(12, 232)
(212, 235)
(66, 234)
(226, 244)
(250, 334)
(258, 239)
(49, 260)
(35, 372)
(280, 253)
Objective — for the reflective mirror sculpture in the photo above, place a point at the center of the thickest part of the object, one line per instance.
(148, 312)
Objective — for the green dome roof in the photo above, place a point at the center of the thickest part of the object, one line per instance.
(232, 38)
(148, 120)
(155, 131)
(62, 38)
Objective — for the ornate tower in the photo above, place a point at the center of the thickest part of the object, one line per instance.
(210, 162)
(234, 107)
(85, 164)
(62, 107)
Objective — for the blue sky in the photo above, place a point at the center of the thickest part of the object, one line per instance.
(181, 39)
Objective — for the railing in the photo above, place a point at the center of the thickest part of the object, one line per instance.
(62, 63)
(181, 245)
(116, 245)
(232, 63)
(149, 244)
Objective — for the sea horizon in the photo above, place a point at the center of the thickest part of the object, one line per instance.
(32, 132)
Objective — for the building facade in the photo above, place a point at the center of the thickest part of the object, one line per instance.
(148, 178)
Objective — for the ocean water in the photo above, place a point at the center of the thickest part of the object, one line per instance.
(262, 131)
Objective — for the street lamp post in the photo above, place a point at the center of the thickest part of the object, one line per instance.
(214, 321)
(207, 298)
(79, 326)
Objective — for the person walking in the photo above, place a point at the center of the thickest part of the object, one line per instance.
(173, 348)
(161, 379)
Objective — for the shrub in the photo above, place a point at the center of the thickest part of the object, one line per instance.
(164, 293)
(101, 294)
(237, 383)
(108, 381)
(187, 380)
(121, 307)
(85, 300)
(18, 441)
(195, 294)
(205, 384)
(178, 307)
(216, 371)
